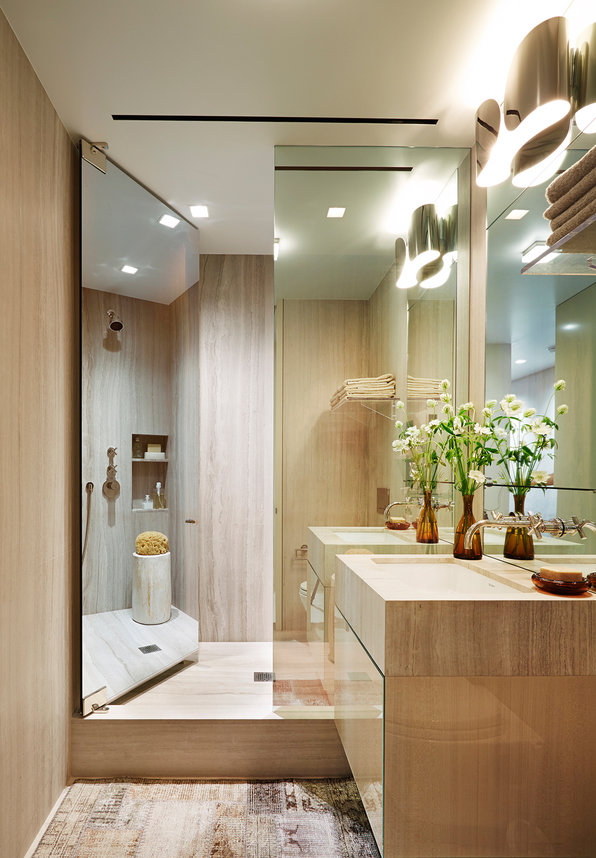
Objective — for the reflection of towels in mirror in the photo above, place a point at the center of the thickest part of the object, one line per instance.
(571, 177)
(573, 202)
(381, 387)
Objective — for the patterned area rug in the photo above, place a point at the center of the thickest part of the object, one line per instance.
(208, 819)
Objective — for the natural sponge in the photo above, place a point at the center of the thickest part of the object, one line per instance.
(152, 542)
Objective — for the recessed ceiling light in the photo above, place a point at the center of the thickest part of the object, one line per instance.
(336, 211)
(521, 360)
(169, 220)
(199, 211)
(516, 214)
(129, 269)
(572, 326)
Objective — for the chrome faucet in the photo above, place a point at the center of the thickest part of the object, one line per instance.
(417, 500)
(395, 503)
(534, 524)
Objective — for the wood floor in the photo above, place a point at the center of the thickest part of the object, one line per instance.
(220, 683)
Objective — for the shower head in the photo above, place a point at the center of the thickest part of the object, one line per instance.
(115, 323)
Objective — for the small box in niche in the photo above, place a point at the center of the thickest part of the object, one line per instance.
(154, 448)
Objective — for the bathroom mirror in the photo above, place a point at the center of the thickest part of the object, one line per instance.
(139, 271)
(339, 315)
(541, 327)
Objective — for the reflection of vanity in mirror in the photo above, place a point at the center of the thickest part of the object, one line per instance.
(340, 316)
(540, 328)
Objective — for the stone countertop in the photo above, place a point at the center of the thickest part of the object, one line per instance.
(324, 543)
(521, 631)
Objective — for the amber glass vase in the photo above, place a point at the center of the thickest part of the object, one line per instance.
(519, 544)
(466, 521)
(426, 527)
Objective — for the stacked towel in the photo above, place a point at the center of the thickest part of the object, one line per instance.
(572, 196)
(424, 388)
(381, 387)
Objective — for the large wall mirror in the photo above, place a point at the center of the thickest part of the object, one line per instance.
(540, 328)
(339, 316)
(140, 267)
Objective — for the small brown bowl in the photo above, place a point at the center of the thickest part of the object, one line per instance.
(402, 525)
(560, 588)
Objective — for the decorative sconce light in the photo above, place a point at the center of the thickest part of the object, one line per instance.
(547, 82)
(431, 249)
(584, 80)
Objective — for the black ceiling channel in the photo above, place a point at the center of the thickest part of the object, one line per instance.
(351, 169)
(336, 120)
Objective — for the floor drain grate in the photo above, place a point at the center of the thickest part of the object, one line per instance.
(261, 676)
(150, 648)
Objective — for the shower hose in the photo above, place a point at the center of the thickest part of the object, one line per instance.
(89, 489)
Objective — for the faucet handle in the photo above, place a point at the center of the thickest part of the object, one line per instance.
(496, 514)
(579, 526)
(536, 524)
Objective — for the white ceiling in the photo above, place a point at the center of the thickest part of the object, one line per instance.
(337, 58)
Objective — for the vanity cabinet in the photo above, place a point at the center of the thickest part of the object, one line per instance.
(466, 719)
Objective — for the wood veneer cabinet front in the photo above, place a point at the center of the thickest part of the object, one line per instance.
(474, 766)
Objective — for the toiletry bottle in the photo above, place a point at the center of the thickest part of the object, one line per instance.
(159, 501)
(137, 449)
(147, 503)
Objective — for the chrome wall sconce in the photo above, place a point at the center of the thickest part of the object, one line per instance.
(549, 83)
(430, 251)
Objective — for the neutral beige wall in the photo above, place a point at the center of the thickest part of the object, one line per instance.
(235, 530)
(125, 390)
(388, 352)
(325, 455)
(38, 427)
(184, 467)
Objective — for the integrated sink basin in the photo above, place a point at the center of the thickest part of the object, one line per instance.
(440, 579)
(370, 536)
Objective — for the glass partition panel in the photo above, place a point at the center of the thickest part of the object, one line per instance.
(139, 599)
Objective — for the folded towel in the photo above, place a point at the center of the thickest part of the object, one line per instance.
(565, 182)
(572, 197)
(386, 377)
(571, 224)
(574, 209)
(583, 242)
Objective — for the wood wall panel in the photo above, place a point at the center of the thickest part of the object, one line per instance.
(388, 352)
(125, 390)
(184, 451)
(206, 748)
(38, 427)
(236, 448)
(325, 455)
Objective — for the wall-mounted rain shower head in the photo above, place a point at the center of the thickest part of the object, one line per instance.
(115, 323)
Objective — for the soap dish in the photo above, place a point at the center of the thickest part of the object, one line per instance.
(392, 525)
(560, 588)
